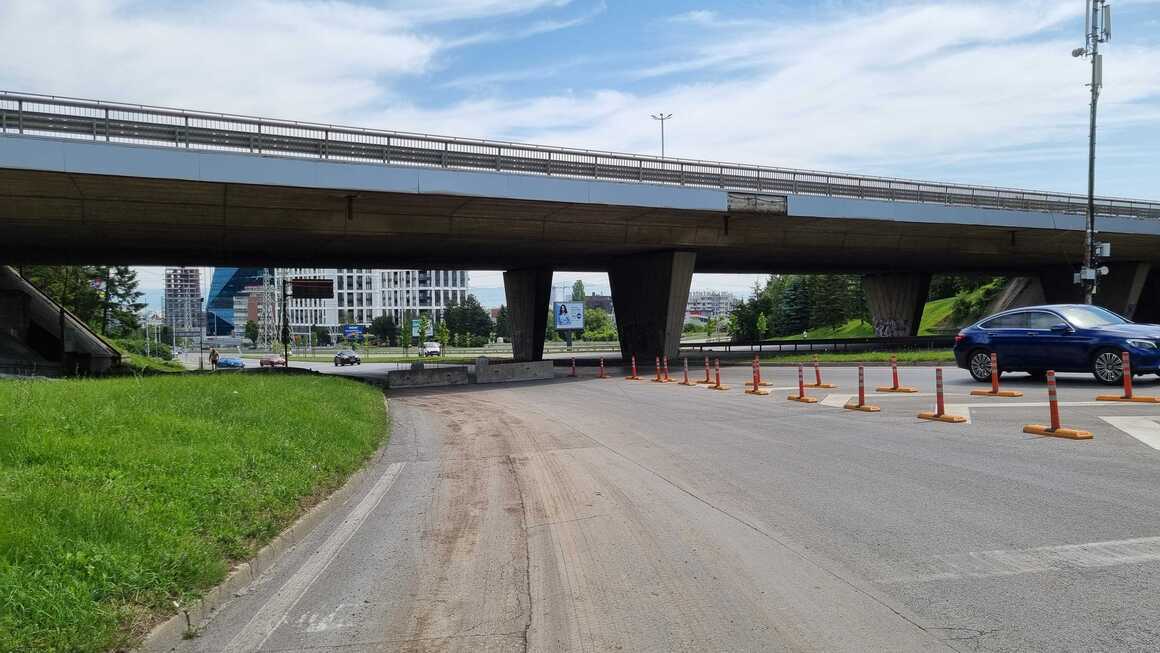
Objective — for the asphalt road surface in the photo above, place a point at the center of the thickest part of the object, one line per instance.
(611, 515)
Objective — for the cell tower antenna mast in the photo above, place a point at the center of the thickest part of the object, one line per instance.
(1097, 30)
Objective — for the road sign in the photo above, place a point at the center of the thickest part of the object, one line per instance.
(568, 316)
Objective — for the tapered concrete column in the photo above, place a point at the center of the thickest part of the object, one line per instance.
(649, 294)
(1122, 290)
(1148, 308)
(896, 300)
(527, 303)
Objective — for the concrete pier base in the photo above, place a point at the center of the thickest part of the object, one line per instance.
(527, 293)
(649, 294)
(896, 300)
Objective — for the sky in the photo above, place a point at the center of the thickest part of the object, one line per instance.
(969, 91)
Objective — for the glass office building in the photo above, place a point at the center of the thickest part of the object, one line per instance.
(227, 282)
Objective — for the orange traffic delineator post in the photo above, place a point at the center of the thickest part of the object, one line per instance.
(686, 365)
(707, 381)
(757, 364)
(1055, 431)
(995, 391)
(1128, 396)
(602, 375)
(862, 405)
(894, 374)
(818, 377)
(718, 385)
(940, 413)
(801, 395)
(667, 378)
(657, 378)
(573, 374)
(634, 377)
(756, 389)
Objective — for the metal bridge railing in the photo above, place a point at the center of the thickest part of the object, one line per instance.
(56, 117)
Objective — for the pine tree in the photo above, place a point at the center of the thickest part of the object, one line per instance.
(122, 305)
(578, 291)
(502, 327)
(794, 316)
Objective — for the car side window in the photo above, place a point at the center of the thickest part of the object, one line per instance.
(1012, 321)
(1042, 320)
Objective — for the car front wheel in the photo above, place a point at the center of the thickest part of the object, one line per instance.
(1108, 367)
(979, 365)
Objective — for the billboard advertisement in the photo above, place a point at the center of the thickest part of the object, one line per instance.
(568, 316)
(353, 331)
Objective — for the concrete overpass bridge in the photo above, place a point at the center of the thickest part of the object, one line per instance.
(92, 182)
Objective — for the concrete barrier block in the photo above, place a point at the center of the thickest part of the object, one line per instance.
(433, 376)
(506, 372)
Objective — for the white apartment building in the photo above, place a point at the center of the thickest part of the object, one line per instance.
(711, 303)
(361, 295)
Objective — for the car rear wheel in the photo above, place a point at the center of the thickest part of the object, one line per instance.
(979, 365)
(1108, 367)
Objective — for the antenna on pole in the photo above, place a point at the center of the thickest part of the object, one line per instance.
(662, 117)
(1097, 29)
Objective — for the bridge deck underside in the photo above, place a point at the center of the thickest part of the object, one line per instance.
(52, 217)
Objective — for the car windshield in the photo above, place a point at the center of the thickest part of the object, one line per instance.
(1090, 316)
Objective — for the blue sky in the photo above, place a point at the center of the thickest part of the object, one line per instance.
(969, 91)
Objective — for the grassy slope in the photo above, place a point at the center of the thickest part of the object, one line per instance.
(118, 496)
(937, 314)
(915, 356)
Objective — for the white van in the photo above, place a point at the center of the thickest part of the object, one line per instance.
(432, 349)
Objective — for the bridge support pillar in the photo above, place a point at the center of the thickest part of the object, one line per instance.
(649, 294)
(1128, 288)
(896, 300)
(527, 293)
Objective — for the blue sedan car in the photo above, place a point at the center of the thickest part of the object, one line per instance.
(1061, 337)
(230, 362)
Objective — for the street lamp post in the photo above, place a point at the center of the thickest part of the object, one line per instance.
(1097, 29)
(662, 117)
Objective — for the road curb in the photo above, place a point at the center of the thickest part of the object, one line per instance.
(167, 635)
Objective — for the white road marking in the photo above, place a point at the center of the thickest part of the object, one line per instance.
(839, 400)
(987, 564)
(1143, 428)
(273, 613)
(965, 409)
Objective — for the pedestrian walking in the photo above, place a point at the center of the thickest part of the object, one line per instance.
(213, 358)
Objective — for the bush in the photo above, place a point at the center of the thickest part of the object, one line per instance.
(158, 350)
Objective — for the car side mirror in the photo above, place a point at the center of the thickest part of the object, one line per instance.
(1061, 328)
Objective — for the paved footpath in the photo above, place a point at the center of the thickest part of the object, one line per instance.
(589, 515)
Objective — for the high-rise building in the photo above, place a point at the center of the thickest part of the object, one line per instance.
(183, 314)
(227, 282)
(711, 303)
(361, 295)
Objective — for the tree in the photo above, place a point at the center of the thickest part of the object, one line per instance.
(424, 324)
(122, 306)
(794, 316)
(578, 291)
(73, 286)
(502, 323)
(762, 324)
(384, 328)
(321, 336)
(828, 299)
(251, 332)
(598, 326)
(710, 328)
(442, 334)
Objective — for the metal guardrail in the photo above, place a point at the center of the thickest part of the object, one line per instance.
(830, 344)
(58, 117)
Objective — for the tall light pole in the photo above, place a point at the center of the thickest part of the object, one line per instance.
(1097, 29)
(662, 117)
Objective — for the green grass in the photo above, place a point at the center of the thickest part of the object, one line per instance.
(375, 358)
(911, 356)
(937, 314)
(119, 496)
